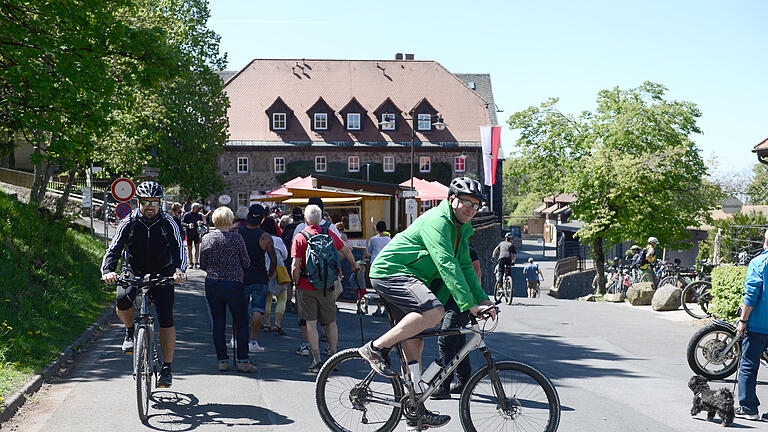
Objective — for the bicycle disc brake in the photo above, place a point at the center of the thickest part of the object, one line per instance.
(713, 352)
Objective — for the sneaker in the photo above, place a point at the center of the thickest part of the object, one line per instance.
(428, 420)
(246, 367)
(440, 394)
(223, 365)
(128, 342)
(314, 367)
(378, 359)
(166, 377)
(231, 344)
(764, 417)
(254, 347)
(304, 350)
(740, 413)
(327, 351)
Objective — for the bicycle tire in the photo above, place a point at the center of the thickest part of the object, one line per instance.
(508, 289)
(498, 293)
(143, 374)
(524, 415)
(348, 368)
(701, 353)
(694, 291)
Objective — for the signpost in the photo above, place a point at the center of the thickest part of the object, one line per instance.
(410, 194)
(731, 205)
(122, 210)
(123, 189)
(150, 172)
(411, 210)
(225, 199)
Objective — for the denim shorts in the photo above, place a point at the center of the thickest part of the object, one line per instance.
(257, 293)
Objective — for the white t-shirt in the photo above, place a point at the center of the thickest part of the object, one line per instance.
(281, 252)
(376, 244)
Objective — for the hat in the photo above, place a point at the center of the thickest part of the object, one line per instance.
(317, 201)
(297, 214)
(256, 213)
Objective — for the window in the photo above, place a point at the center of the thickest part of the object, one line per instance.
(389, 164)
(424, 164)
(321, 121)
(460, 163)
(320, 163)
(471, 84)
(353, 164)
(279, 164)
(425, 122)
(242, 199)
(242, 165)
(353, 121)
(388, 117)
(426, 205)
(278, 121)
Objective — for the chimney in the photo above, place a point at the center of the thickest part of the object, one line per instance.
(409, 56)
(399, 56)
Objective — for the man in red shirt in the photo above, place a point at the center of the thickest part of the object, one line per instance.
(315, 304)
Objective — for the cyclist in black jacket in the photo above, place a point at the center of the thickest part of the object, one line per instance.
(150, 243)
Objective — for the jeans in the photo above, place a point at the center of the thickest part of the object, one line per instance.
(220, 295)
(448, 346)
(752, 346)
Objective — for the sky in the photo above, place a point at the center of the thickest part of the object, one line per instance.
(712, 53)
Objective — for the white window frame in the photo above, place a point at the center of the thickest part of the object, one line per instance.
(388, 116)
(321, 163)
(349, 121)
(243, 199)
(278, 164)
(242, 165)
(424, 122)
(320, 117)
(422, 160)
(426, 205)
(353, 163)
(463, 161)
(388, 160)
(283, 120)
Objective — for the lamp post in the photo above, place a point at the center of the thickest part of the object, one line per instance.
(439, 125)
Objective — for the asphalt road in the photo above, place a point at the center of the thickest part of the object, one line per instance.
(616, 368)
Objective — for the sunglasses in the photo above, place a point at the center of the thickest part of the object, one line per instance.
(470, 204)
(148, 203)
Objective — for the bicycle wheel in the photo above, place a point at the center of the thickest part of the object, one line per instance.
(508, 290)
(143, 374)
(498, 292)
(697, 292)
(532, 401)
(351, 396)
(705, 352)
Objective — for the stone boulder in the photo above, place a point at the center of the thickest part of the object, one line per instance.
(615, 298)
(640, 294)
(666, 298)
(588, 298)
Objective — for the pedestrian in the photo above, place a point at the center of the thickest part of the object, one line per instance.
(192, 221)
(277, 289)
(176, 215)
(188, 205)
(533, 277)
(316, 303)
(375, 245)
(297, 218)
(753, 329)
(645, 260)
(241, 219)
(223, 257)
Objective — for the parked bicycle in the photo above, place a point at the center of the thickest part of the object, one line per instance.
(619, 280)
(499, 396)
(698, 291)
(504, 290)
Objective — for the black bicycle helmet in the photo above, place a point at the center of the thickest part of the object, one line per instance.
(149, 189)
(466, 186)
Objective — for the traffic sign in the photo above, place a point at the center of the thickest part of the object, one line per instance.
(123, 189)
(410, 194)
(122, 210)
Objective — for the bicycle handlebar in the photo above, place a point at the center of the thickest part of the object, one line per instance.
(147, 281)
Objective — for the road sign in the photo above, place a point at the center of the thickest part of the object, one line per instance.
(411, 207)
(122, 210)
(86, 192)
(225, 199)
(123, 189)
(150, 172)
(731, 205)
(410, 194)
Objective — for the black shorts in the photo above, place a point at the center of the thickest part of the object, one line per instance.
(405, 294)
(193, 239)
(162, 296)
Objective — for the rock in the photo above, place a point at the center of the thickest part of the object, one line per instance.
(573, 285)
(640, 294)
(666, 298)
(588, 298)
(615, 298)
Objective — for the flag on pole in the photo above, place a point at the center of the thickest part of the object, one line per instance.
(490, 137)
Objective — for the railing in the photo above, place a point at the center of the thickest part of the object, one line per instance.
(566, 265)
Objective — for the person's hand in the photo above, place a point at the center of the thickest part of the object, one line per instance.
(109, 278)
(741, 327)
(475, 310)
(356, 268)
(179, 277)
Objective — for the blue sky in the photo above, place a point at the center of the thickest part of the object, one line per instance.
(713, 53)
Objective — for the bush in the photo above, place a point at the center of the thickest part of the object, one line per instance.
(727, 291)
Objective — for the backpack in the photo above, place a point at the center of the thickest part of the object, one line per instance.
(322, 265)
(640, 257)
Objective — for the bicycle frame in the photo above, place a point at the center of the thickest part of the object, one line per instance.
(146, 321)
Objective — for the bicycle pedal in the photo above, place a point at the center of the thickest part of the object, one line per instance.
(128, 352)
(161, 385)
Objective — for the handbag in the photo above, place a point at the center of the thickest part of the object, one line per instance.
(282, 275)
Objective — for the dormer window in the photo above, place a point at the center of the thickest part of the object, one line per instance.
(353, 114)
(387, 114)
(279, 114)
(353, 121)
(388, 121)
(279, 121)
(320, 121)
(424, 122)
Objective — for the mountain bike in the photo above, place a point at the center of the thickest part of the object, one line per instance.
(501, 395)
(503, 290)
(146, 361)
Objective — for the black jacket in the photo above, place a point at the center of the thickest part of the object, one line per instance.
(152, 246)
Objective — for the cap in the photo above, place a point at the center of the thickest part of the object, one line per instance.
(256, 213)
(297, 213)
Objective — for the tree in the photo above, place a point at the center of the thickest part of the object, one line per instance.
(757, 189)
(631, 165)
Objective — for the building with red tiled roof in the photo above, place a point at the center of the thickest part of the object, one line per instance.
(762, 151)
(300, 117)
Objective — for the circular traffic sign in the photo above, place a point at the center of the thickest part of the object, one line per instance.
(123, 189)
(122, 210)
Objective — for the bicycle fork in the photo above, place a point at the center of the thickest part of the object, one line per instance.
(493, 374)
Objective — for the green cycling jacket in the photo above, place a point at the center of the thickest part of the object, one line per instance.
(433, 247)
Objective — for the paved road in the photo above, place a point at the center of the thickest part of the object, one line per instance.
(617, 368)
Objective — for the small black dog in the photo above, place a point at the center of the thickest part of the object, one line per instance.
(718, 401)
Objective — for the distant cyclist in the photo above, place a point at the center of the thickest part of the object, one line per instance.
(150, 243)
(507, 255)
(646, 258)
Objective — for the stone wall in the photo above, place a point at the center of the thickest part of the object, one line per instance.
(573, 285)
(484, 241)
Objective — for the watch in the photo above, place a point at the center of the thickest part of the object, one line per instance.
(742, 320)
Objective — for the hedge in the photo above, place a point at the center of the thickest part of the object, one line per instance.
(727, 291)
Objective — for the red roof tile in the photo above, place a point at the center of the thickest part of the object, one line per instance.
(763, 145)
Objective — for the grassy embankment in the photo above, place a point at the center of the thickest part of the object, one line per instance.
(50, 290)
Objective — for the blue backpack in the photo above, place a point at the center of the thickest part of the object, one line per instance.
(321, 260)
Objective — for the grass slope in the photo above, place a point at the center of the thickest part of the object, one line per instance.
(50, 290)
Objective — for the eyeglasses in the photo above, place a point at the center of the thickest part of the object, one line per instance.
(470, 204)
(148, 203)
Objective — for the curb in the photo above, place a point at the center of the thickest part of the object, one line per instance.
(16, 400)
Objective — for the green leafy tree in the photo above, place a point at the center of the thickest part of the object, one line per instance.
(631, 165)
(757, 190)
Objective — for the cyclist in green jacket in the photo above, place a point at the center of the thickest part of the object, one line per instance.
(419, 270)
